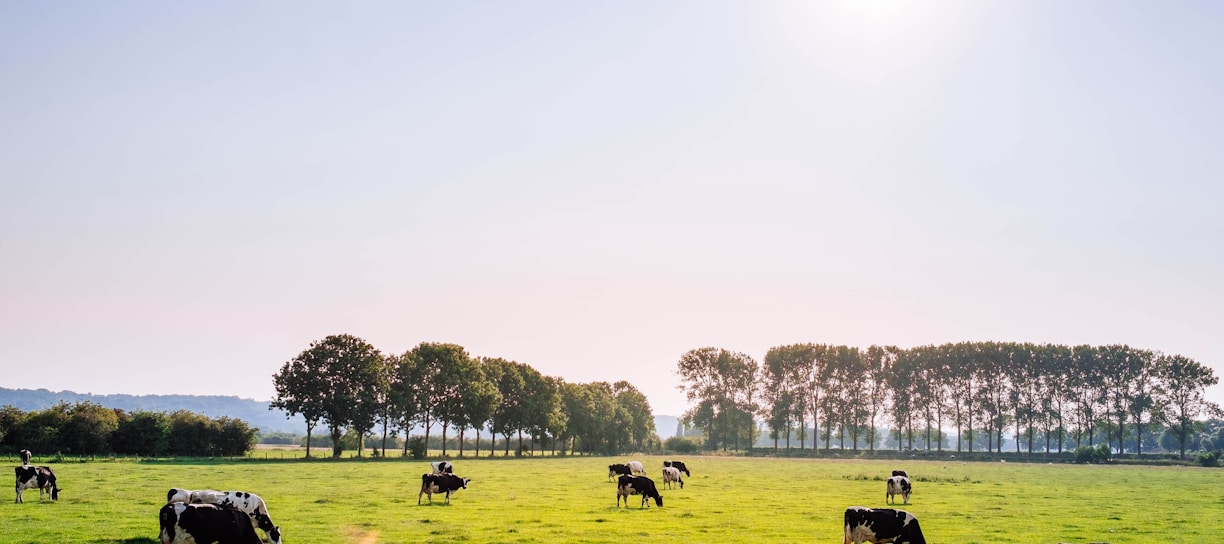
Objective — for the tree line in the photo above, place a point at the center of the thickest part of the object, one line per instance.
(86, 428)
(344, 383)
(1045, 395)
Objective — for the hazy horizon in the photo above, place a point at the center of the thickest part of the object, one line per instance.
(192, 193)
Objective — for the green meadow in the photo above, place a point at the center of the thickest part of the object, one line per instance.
(727, 500)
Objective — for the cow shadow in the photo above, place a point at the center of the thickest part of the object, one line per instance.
(138, 540)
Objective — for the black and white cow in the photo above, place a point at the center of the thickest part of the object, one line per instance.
(671, 475)
(441, 483)
(440, 467)
(25, 457)
(897, 485)
(637, 485)
(249, 503)
(618, 468)
(679, 465)
(184, 523)
(43, 478)
(882, 525)
(900, 473)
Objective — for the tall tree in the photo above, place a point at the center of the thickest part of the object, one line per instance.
(1184, 383)
(300, 388)
(878, 362)
(453, 370)
(438, 367)
(478, 397)
(405, 393)
(508, 378)
(783, 371)
(724, 383)
(338, 379)
(538, 403)
(641, 417)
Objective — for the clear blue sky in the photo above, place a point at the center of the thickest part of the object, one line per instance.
(192, 192)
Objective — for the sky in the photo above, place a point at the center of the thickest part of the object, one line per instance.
(193, 192)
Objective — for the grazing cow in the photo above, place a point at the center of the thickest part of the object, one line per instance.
(881, 525)
(897, 485)
(25, 457)
(672, 474)
(636, 467)
(442, 466)
(900, 473)
(618, 468)
(43, 478)
(637, 485)
(441, 483)
(183, 523)
(249, 503)
(679, 465)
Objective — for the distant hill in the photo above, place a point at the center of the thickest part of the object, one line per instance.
(255, 413)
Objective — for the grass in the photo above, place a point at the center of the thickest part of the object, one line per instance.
(727, 500)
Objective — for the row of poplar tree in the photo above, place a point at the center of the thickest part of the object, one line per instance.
(86, 428)
(343, 383)
(1056, 392)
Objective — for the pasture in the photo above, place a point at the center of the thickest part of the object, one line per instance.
(727, 500)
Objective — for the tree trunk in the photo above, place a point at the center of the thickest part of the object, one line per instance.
(384, 443)
(336, 446)
(309, 428)
(428, 426)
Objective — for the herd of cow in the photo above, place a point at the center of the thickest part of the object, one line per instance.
(231, 517)
(862, 524)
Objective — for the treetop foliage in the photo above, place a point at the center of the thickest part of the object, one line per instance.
(979, 388)
(440, 384)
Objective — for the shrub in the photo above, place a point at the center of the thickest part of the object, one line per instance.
(680, 445)
(417, 447)
(1091, 455)
(1208, 459)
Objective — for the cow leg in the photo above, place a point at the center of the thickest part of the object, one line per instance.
(18, 495)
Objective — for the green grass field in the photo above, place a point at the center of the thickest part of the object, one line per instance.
(727, 500)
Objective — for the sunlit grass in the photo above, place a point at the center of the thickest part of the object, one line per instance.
(728, 499)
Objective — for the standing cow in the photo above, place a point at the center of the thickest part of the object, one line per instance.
(618, 468)
(249, 503)
(637, 485)
(25, 457)
(440, 467)
(670, 475)
(636, 467)
(183, 523)
(441, 483)
(881, 525)
(897, 485)
(43, 478)
(900, 473)
(679, 465)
